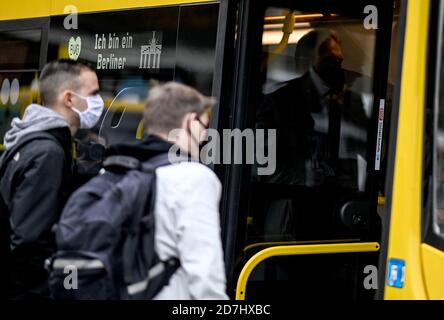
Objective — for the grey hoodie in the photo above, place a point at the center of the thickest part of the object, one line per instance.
(36, 118)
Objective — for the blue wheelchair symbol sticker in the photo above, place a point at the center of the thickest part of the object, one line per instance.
(396, 273)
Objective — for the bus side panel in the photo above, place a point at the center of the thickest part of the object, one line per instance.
(58, 6)
(22, 9)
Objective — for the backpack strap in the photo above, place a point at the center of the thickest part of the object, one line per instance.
(150, 166)
(160, 274)
(161, 160)
(130, 163)
(125, 162)
(158, 277)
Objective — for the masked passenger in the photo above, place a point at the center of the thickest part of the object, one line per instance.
(36, 173)
(321, 130)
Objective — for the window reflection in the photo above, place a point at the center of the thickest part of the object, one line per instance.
(17, 91)
(130, 48)
(19, 62)
(317, 94)
(20, 49)
(438, 223)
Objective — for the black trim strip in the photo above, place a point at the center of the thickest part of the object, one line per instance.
(248, 36)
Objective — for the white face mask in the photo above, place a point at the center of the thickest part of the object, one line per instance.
(91, 115)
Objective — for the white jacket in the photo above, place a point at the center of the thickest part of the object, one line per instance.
(187, 226)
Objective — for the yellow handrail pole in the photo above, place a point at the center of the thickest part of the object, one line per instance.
(287, 30)
(297, 250)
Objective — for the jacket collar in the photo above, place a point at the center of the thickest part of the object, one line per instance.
(149, 146)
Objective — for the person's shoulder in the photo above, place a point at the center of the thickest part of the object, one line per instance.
(42, 148)
(291, 86)
(190, 173)
(189, 169)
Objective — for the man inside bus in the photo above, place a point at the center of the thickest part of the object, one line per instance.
(37, 173)
(316, 162)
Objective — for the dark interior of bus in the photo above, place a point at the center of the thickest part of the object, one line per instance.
(328, 186)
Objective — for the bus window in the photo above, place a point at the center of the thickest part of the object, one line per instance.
(128, 49)
(19, 63)
(321, 82)
(318, 95)
(118, 45)
(438, 216)
(434, 143)
(196, 46)
(20, 49)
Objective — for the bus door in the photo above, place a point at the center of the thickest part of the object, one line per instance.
(312, 85)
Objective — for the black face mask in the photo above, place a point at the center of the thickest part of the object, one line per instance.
(333, 75)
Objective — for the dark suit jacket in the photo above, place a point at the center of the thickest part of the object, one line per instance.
(290, 110)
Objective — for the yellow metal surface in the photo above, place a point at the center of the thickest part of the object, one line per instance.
(433, 264)
(267, 244)
(140, 130)
(297, 250)
(22, 9)
(405, 222)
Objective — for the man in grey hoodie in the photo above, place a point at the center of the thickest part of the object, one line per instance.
(36, 173)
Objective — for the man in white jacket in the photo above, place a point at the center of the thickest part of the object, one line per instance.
(186, 212)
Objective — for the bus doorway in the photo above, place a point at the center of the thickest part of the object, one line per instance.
(318, 76)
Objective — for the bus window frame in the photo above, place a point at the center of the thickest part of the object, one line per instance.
(41, 24)
(434, 70)
(220, 116)
(223, 58)
(238, 91)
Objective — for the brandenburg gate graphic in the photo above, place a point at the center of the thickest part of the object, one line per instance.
(150, 54)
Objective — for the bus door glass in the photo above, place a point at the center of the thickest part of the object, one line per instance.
(318, 92)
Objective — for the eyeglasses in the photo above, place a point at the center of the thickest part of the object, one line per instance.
(206, 126)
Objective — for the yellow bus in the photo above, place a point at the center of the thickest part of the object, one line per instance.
(372, 226)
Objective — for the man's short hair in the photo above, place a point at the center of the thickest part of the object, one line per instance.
(313, 45)
(168, 103)
(60, 75)
(325, 42)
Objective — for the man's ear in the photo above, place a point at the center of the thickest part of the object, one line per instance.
(187, 119)
(192, 116)
(67, 97)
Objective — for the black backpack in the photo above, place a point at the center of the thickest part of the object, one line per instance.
(105, 237)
